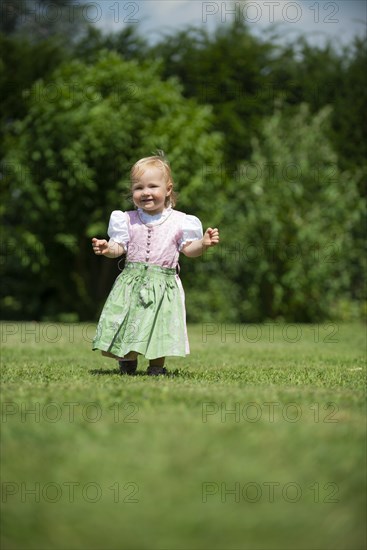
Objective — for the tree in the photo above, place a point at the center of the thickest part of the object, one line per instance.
(35, 37)
(67, 168)
(33, 60)
(294, 213)
(38, 20)
(243, 77)
(226, 70)
(127, 42)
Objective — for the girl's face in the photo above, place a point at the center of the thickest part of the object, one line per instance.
(150, 190)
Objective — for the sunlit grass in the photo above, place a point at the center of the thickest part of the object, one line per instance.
(254, 441)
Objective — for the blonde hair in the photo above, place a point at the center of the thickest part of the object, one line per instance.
(161, 162)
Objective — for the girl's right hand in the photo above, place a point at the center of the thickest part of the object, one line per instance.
(100, 246)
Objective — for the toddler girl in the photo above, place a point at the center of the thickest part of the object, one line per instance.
(145, 310)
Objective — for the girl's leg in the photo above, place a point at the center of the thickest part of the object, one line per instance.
(156, 366)
(131, 356)
(129, 363)
(159, 362)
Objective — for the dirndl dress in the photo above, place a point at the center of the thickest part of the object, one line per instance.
(145, 310)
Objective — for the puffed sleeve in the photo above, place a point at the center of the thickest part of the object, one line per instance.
(117, 228)
(192, 230)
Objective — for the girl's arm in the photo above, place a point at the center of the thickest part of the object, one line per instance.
(197, 248)
(110, 249)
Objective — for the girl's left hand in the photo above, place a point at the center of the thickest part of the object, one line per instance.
(211, 237)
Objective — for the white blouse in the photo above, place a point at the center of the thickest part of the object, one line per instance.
(118, 232)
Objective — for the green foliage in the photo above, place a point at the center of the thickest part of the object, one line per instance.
(39, 20)
(225, 70)
(127, 42)
(284, 183)
(67, 167)
(290, 242)
(321, 77)
(243, 77)
(33, 60)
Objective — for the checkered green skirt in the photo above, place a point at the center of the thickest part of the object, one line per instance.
(145, 313)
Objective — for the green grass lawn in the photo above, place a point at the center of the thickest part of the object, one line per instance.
(256, 441)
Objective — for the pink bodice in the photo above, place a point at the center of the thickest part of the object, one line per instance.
(156, 244)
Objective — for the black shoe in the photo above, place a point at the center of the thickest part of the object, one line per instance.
(156, 371)
(128, 367)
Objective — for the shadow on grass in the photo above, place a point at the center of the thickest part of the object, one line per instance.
(177, 373)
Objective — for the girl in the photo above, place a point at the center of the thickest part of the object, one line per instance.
(145, 311)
